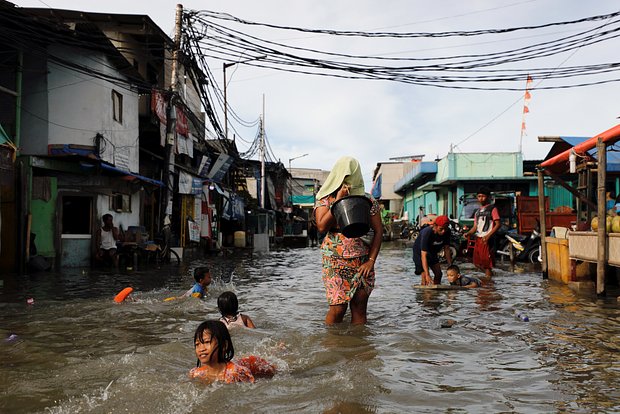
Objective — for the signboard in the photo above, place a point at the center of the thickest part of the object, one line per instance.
(194, 231)
(220, 167)
(205, 163)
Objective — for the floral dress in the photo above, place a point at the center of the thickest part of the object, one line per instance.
(342, 258)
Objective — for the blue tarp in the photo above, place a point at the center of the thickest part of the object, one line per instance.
(140, 177)
(376, 188)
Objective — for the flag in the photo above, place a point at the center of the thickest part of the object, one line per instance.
(526, 110)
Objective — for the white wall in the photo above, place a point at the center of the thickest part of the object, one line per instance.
(34, 125)
(120, 219)
(80, 106)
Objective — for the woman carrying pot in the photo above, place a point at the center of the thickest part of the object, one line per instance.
(348, 263)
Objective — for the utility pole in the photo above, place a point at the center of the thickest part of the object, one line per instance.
(262, 157)
(224, 66)
(171, 127)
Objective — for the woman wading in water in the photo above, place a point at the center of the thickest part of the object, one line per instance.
(348, 263)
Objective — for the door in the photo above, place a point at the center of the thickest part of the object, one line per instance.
(76, 231)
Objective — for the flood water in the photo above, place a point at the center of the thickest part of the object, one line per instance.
(76, 351)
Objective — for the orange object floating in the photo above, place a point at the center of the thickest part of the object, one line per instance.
(122, 295)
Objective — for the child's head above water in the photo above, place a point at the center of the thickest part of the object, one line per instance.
(454, 274)
(202, 275)
(228, 304)
(212, 343)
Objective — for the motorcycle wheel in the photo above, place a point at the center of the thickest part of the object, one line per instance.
(533, 256)
(441, 255)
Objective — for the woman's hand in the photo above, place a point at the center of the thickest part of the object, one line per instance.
(343, 191)
(367, 268)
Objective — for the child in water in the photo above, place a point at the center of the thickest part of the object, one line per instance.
(228, 305)
(215, 351)
(202, 276)
(456, 278)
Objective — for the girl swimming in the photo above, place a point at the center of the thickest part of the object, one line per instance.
(228, 305)
(214, 350)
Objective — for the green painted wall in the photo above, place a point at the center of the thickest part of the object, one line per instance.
(558, 195)
(44, 221)
(479, 165)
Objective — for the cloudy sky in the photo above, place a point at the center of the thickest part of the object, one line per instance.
(327, 117)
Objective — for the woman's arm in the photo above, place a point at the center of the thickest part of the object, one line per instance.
(375, 245)
(325, 220)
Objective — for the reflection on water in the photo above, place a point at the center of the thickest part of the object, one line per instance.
(75, 350)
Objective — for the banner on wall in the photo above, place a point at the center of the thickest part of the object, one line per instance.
(182, 126)
(158, 106)
(220, 167)
(205, 163)
(188, 184)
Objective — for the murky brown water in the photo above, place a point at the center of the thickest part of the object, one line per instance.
(75, 350)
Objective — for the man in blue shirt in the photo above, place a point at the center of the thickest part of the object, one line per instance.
(427, 245)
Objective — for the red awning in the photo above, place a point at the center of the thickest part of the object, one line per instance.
(609, 137)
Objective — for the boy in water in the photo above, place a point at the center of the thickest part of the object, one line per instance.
(486, 224)
(202, 276)
(456, 278)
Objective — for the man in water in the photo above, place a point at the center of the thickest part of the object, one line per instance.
(105, 240)
(427, 245)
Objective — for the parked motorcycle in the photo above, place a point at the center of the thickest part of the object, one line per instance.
(409, 231)
(520, 247)
(457, 241)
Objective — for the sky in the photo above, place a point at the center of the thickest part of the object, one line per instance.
(373, 121)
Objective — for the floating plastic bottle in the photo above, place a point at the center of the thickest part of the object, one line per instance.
(523, 317)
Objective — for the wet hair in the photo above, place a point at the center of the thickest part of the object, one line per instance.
(106, 216)
(199, 273)
(455, 268)
(228, 304)
(217, 329)
(484, 190)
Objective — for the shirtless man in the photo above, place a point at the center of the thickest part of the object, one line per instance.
(105, 240)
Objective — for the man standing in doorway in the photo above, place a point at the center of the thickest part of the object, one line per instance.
(105, 240)
(486, 223)
(429, 242)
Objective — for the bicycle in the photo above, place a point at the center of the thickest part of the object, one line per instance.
(164, 253)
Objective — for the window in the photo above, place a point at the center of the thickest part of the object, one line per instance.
(469, 208)
(120, 203)
(117, 107)
(76, 214)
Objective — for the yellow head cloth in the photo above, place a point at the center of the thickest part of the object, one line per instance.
(346, 171)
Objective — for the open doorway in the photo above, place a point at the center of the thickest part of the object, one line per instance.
(76, 230)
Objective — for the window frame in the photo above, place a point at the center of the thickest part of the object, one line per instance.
(117, 106)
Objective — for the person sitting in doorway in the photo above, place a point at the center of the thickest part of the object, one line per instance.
(105, 241)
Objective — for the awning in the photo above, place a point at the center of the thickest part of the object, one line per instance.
(130, 174)
(609, 137)
(303, 200)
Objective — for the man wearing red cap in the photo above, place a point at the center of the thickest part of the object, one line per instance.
(427, 245)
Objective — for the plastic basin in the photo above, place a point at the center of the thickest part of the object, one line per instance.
(352, 215)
